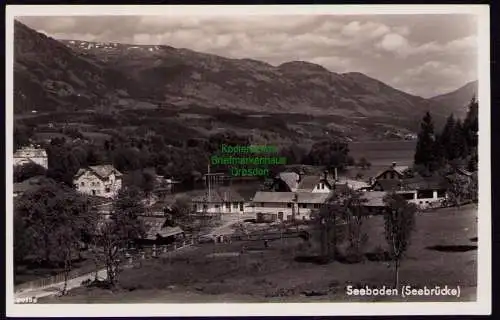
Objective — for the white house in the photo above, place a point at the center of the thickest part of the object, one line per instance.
(316, 184)
(103, 181)
(288, 205)
(31, 155)
(218, 200)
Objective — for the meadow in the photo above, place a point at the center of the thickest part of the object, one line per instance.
(443, 251)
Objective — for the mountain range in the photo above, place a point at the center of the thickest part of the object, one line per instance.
(72, 75)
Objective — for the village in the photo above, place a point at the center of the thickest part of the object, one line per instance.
(187, 161)
(291, 195)
(227, 210)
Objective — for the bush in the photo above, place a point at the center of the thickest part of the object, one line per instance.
(379, 254)
(350, 256)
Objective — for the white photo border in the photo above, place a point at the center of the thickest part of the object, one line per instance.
(481, 306)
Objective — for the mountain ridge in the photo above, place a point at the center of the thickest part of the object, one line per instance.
(86, 75)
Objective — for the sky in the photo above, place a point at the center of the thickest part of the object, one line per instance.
(424, 55)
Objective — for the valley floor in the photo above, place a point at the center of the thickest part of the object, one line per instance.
(443, 252)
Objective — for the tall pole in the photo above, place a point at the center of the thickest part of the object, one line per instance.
(208, 182)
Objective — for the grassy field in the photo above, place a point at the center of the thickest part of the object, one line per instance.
(443, 252)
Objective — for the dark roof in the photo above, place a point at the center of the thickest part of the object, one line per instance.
(389, 184)
(291, 179)
(341, 187)
(427, 183)
(218, 195)
(101, 171)
(398, 169)
(287, 197)
(307, 183)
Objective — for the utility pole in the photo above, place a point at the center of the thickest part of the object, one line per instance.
(208, 182)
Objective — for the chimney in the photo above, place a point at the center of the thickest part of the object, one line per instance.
(393, 164)
(325, 174)
(336, 177)
(300, 173)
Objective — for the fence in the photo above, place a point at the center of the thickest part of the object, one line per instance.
(58, 278)
(150, 252)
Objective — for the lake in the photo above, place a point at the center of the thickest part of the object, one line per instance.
(383, 153)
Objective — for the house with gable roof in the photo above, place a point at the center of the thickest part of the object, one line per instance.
(286, 182)
(394, 172)
(31, 154)
(218, 200)
(317, 183)
(103, 181)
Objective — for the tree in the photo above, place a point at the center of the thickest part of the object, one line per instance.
(144, 180)
(181, 210)
(227, 137)
(462, 188)
(446, 139)
(28, 170)
(329, 153)
(399, 223)
(459, 142)
(354, 217)
(127, 159)
(22, 136)
(327, 219)
(78, 220)
(49, 217)
(294, 154)
(63, 164)
(471, 124)
(363, 163)
(123, 227)
(470, 129)
(424, 153)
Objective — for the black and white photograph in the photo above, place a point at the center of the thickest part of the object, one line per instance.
(252, 160)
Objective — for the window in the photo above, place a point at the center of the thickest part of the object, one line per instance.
(316, 206)
(93, 192)
(407, 196)
(262, 204)
(393, 176)
(235, 205)
(108, 189)
(424, 194)
(303, 205)
(441, 193)
(289, 205)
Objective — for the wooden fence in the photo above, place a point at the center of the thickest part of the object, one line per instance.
(147, 253)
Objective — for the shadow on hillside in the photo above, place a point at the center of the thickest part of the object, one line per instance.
(459, 248)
